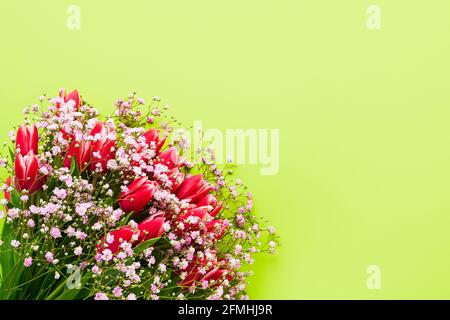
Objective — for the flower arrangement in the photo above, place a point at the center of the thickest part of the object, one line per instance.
(113, 208)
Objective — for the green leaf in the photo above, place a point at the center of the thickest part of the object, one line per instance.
(12, 278)
(74, 170)
(12, 265)
(72, 294)
(69, 294)
(11, 154)
(15, 199)
(6, 253)
(164, 243)
(145, 245)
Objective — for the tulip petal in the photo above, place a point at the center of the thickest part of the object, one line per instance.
(151, 228)
(75, 97)
(19, 172)
(122, 234)
(188, 186)
(139, 194)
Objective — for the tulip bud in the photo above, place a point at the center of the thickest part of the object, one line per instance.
(192, 218)
(215, 275)
(118, 236)
(218, 276)
(102, 146)
(193, 270)
(193, 276)
(74, 95)
(26, 169)
(193, 188)
(7, 193)
(217, 227)
(210, 200)
(199, 212)
(139, 194)
(176, 178)
(27, 139)
(169, 158)
(81, 151)
(150, 228)
(207, 200)
(152, 138)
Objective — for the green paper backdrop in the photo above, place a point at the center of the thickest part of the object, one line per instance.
(363, 115)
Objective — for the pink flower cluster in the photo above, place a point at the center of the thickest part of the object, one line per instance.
(116, 199)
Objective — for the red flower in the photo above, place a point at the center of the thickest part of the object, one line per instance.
(199, 212)
(215, 275)
(120, 235)
(175, 177)
(26, 170)
(27, 139)
(81, 151)
(139, 194)
(74, 95)
(193, 271)
(216, 227)
(191, 277)
(196, 273)
(153, 140)
(7, 193)
(169, 158)
(150, 228)
(193, 224)
(210, 200)
(101, 146)
(193, 188)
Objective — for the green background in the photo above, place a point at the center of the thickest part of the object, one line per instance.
(363, 116)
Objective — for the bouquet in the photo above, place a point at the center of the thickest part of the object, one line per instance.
(116, 208)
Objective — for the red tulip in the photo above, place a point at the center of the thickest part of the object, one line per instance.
(216, 227)
(199, 212)
(120, 235)
(213, 272)
(214, 275)
(191, 225)
(193, 274)
(7, 193)
(210, 200)
(191, 277)
(217, 275)
(26, 169)
(81, 151)
(175, 177)
(207, 200)
(27, 139)
(152, 138)
(139, 194)
(102, 145)
(170, 158)
(74, 95)
(151, 228)
(193, 188)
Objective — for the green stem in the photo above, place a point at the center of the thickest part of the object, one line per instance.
(55, 292)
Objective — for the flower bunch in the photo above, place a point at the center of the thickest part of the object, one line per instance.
(114, 208)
